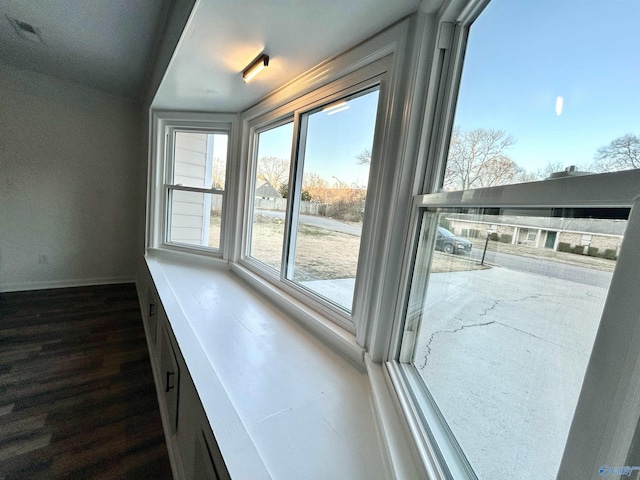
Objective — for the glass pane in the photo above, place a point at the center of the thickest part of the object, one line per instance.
(326, 240)
(506, 306)
(541, 95)
(200, 160)
(195, 218)
(270, 201)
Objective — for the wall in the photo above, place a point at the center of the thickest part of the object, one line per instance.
(69, 180)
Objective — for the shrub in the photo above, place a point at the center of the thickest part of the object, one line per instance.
(592, 251)
(609, 253)
(506, 238)
(564, 247)
(494, 236)
(579, 249)
(445, 223)
(349, 211)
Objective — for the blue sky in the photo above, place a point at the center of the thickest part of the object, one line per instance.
(333, 141)
(522, 55)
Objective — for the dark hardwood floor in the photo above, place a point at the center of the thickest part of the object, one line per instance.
(77, 398)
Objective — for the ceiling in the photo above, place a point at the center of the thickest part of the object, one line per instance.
(111, 44)
(104, 44)
(223, 36)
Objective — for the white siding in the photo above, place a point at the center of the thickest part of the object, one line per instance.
(189, 213)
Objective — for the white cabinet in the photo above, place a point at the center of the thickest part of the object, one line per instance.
(170, 375)
(192, 446)
(150, 308)
(206, 458)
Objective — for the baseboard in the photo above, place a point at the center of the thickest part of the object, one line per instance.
(84, 282)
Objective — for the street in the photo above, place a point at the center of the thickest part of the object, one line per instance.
(316, 221)
(546, 267)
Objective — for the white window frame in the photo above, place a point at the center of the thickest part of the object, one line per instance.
(615, 361)
(620, 189)
(375, 74)
(165, 125)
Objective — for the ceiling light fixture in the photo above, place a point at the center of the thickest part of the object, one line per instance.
(255, 67)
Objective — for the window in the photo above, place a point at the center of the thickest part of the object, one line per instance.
(195, 188)
(532, 101)
(307, 212)
(327, 223)
(502, 344)
(271, 191)
(190, 181)
(504, 340)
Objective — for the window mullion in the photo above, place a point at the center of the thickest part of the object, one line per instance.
(293, 201)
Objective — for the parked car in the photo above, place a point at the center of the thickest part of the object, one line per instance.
(449, 243)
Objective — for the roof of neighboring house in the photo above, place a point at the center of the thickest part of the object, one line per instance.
(266, 190)
(595, 226)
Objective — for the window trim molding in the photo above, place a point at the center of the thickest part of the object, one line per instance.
(162, 122)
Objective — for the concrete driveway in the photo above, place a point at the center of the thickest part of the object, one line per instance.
(503, 353)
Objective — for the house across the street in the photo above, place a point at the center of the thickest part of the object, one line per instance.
(543, 232)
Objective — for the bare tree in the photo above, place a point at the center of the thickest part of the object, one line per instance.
(548, 169)
(273, 170)
(623, 153)
(477, 159)
(313, 180)
(218, 172)
(364, 157)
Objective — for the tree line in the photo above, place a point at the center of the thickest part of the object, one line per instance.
(479, 158)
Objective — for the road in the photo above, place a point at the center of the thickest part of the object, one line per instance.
(322, 222)
(548, 268)
(540, 266)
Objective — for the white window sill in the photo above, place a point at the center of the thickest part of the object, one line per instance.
(281, 403)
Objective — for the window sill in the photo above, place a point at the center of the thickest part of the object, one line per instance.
(278, 400)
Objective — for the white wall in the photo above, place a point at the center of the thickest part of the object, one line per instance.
(69, 183)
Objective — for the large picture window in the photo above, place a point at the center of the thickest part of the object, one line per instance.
(307, 214)
(326, 227)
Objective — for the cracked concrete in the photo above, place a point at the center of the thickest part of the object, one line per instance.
(507, 391)
(495, 304)
(428, 345)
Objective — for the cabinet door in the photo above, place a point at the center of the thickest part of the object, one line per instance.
(170, 375)
(152, 313)
(203, 465)
(208, 462)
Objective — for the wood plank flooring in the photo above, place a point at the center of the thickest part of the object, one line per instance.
(77, 398)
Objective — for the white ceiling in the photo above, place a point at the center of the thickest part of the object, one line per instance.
(223, 36)
(105, 44)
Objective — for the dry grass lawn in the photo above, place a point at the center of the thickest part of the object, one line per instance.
(323, 254)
